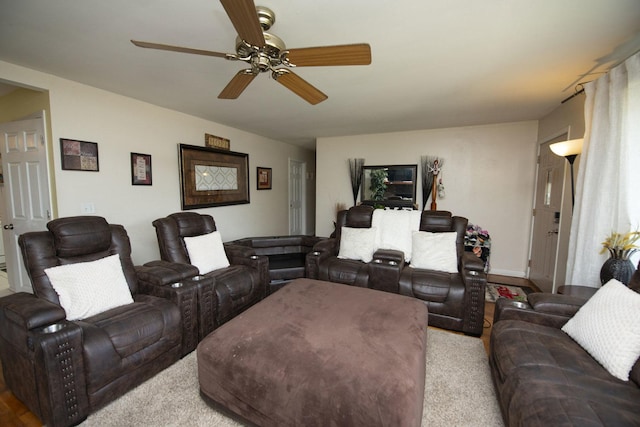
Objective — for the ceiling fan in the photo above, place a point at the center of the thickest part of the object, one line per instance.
(265, 52)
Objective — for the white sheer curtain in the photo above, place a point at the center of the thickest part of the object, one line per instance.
(607, 196)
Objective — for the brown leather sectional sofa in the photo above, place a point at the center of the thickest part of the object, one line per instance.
(544, 378)
(455, 300)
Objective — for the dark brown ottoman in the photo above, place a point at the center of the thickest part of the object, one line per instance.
(320, 354)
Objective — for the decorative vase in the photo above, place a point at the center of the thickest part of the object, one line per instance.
(620, 269)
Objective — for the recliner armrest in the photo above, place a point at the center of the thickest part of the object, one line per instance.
(175, 282)
(561, 305)
(542, 308)
(160, 273)
(470, 262)
(29, 312)
(328, 246)
(389, 256)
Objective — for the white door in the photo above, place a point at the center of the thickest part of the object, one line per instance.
(546, 217)
(26, 181)
(296, 197)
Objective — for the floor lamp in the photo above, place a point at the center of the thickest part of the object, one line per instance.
(569, 150)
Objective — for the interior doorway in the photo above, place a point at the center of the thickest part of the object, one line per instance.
(26, 205)
(297, 172)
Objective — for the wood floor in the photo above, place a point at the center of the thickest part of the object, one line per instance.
(14, 414)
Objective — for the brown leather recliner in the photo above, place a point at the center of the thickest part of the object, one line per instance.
(236, 287)
(64, 370)
(455, 300)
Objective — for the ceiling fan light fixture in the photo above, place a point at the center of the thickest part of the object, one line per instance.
(266, 17)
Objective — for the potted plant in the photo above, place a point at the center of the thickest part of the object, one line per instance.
(620, 247)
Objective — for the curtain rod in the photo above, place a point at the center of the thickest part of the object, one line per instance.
(581, 84)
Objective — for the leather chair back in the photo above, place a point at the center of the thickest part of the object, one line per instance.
(172, 230)
(355, 217)
(443, 221)
(71, 240)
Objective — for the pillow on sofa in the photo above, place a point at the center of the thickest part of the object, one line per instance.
(607, 326)
(207, 252)
(358, 243)
(435, 251)
(89, 288)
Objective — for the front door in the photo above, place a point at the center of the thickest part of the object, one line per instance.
(27, 202)
(546, 217)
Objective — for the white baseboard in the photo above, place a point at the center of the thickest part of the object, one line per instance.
(509, 273)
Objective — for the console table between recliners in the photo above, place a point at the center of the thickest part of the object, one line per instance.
(286, 256)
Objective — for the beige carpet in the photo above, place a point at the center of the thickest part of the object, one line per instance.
(458, 392)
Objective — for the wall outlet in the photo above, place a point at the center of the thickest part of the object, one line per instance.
(87, 208)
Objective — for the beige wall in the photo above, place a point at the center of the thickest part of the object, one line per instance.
(122, 125)
(489, 177)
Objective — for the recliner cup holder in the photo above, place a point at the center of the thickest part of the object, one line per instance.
(53, 328)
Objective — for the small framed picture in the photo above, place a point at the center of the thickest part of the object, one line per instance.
(264, 178)
(140, 169)
(213, 141)
(79, 155)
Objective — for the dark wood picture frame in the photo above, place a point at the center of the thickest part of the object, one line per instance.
(141, 169)
(78, 155)
(263, 178)
(211, 177)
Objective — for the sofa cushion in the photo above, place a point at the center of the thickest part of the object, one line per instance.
(520, 344)
(89, 288)
(608, 327)
(435, 251)
(544, 378)
(358, 243)
(207, 252)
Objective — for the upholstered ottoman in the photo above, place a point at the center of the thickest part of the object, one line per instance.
(320, 353)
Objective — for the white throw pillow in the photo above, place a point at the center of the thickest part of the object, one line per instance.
(607, 326)
(435, 251)
(358, 243)
(89, 288)
(207, 252)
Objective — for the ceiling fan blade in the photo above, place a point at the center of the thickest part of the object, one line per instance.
(244, 18)
(237, 85)
(346, 54)
(178, 49)
(299, 86)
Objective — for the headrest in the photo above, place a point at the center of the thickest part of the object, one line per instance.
(436, 221)
(80, 235)
(193, 224)
(359, 216)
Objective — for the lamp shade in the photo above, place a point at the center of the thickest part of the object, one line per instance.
(567, 148)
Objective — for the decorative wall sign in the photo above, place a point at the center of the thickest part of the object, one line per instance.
(79, 155)
(216, 142)
(140, 169)
(264, 178)
(212, 177)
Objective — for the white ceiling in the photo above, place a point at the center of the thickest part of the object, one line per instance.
(435, 63)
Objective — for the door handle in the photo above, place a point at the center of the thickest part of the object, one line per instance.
(8, 227)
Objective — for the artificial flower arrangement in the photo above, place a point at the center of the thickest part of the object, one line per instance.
(621, 246)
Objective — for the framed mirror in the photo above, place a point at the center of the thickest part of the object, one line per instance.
(389, 185)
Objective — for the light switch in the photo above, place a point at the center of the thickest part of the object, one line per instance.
(87, 208)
